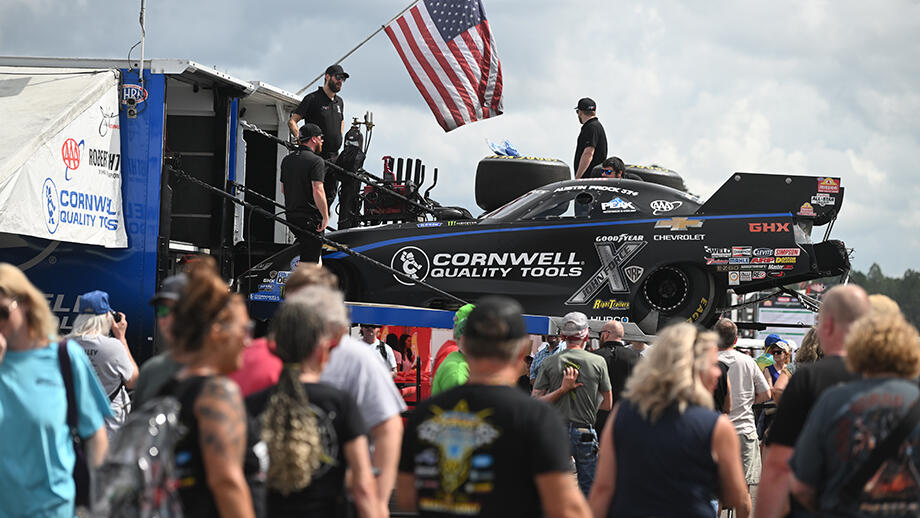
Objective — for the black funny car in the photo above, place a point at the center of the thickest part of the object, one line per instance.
(612, 249)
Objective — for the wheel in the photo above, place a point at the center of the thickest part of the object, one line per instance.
(500, 179)
(674, 292)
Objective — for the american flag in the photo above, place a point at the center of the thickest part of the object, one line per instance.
(448, 49)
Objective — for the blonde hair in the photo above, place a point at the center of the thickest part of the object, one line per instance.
(670, 373)
(86, 324)
(883, 343)
(883, 304)
(40, 321)
(810, 351)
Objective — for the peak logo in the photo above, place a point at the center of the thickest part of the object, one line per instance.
(768, 227)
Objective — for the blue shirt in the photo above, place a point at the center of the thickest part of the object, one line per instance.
(36, 450)
(542, 355)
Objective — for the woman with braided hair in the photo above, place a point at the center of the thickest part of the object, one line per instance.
(313, 431)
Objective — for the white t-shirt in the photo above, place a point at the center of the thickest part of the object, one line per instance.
(747, 381)
(113, 366)
(390, 361)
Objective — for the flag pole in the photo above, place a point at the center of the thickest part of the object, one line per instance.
(350, 52)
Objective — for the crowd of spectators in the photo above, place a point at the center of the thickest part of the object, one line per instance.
(308, 421)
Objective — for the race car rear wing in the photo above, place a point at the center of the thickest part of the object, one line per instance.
(814, 198)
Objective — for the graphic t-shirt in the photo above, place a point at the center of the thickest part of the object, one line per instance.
(113, 366)
(475, 450)
(843, 427)
(339, 423)
(580, 405)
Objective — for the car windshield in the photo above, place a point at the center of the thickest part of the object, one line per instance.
(512, 206)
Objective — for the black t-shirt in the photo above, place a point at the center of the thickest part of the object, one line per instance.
(340, 423)
(298, 170)
(718, 396)
(318, 108)
(475, 450)
(804, 388)
(592, 135)
(621, 361)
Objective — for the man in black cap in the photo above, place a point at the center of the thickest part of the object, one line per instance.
(302, 173)
(591, 147)
(485, 448)
(325, 108)
(157, 371)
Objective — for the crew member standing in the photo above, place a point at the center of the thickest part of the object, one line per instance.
(325, 108)
(591, 148)
(302, 174)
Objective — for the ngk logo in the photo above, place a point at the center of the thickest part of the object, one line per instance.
(768, 227)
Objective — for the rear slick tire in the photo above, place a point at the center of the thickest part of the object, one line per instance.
(676, 292)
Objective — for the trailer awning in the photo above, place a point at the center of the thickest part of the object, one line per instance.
(60, 155)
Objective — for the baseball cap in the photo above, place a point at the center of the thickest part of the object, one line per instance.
(574, 324)
(586, 104)
(95, 302)
(496, 318)
(171, 289)
(310, 130)
(336, 69)
(774, 340)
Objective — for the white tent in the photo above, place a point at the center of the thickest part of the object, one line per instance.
(60, 155)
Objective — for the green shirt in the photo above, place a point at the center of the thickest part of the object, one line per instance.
(580, 405)
(452, 372)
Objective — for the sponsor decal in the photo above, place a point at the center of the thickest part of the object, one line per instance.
(610, 304)
(787, 252)
(828, 185)
(633, 273)
(412, 261)
(786, 260)
(50, 196)
(758, 275)
(734, 278)
(768, 227)
(745, 276)
(71, 153)
(267, 287)
(617, 205)
(429, 224)
(137, 93)
(739, 260)
(780, 267)
(265, 297)
(619, 238)
(753, 266)
(662, 206)
(609, 317)
(103, 159)
(481, 265)
(762, 260)
(282, 277)
(718, 252)
(741, 251)
(776, 275)
(107, 122)
(609, 274)
(727, 268)
(678, 224)
(700, 308)
(763, 252)
(823, 200)
(607, 188)
(806, 210)
(680, 237)
(711, 260)
(461, 223)
(76, 208)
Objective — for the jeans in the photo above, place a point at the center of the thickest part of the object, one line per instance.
(583, 441)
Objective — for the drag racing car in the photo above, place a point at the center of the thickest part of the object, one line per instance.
(610, 248)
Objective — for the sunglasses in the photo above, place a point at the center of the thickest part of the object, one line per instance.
(162, 310)
(340, 77)
(6, 310)
(608, 171)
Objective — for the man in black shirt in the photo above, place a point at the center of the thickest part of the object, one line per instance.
(485, 448)
(302, 174)
(614, 167)
(620, 363)
(325, 108)
(842, 306)
(591, 148)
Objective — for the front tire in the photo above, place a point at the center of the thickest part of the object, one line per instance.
(674, 292)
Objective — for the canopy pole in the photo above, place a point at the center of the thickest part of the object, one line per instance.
(143, 38)
(350, 52)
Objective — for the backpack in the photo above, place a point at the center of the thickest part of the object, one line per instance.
(138, 477)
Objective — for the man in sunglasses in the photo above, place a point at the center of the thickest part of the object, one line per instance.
(613, 167)
(325, 108)
(156, 371)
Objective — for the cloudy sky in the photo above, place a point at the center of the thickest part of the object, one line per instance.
(704, 88)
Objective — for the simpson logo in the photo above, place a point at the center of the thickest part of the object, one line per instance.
(412, 261)
(829, 185)
(609, 273)
(768, 227)
(741, 251)
(50, 197)
(823, 200)
(662, 206)
(763, 252)
(633, 273)
(787, 252)
(679, 224)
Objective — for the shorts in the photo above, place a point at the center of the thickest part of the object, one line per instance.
(750, 457)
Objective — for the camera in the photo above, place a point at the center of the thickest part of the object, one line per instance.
(117, 316)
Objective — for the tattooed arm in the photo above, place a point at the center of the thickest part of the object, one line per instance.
(222, 434)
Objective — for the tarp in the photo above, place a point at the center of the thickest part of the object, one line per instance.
(60, 155)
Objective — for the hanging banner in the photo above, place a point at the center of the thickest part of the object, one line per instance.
(63, 182)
